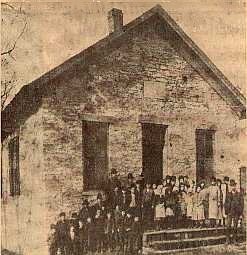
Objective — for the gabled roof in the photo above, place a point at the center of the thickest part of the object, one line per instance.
(183, 43)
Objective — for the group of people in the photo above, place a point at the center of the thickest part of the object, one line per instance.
(120, 215)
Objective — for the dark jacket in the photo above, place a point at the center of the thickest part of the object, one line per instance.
(125, 201)
(82, 232)
(62, 232)
(148, 197)
(52, 243)
(85, 213)
(128, 224)
(73, 246)
(116, 199)
(234, 204)
(109, 226)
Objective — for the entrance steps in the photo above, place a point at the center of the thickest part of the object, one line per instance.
(168, 241)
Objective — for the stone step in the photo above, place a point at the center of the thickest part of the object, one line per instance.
(187, 243)
(178, 234)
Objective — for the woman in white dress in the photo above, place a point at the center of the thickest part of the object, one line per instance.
(159, 207)
(198, 212)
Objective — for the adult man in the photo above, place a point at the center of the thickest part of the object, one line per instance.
(112, 183)
(234, 205)
(214, 202)
(224, 189)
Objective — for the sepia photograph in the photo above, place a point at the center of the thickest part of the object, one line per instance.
(123, 127)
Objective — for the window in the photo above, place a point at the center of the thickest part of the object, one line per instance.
(204, 154)
(14, 171)
(95, 154)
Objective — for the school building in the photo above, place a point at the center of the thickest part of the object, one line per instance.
(144, 98)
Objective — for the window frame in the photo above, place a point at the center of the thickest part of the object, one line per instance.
(14, 167)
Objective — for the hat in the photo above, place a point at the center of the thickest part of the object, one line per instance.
(74, 215)
(113, 171)
(85, 202)
(130, 176)
(213, 179)
(201, 181)
(232, 182)
(99, 196)
(62, 214)
(181, 177)
(226, 178)
(168, 177)
(173, 178)
(132, 185)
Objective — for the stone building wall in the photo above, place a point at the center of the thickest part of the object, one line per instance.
(144, 79)
(24, 227)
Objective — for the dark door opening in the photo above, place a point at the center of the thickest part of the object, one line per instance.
(95, 149)
(204, 154)
(153, 139)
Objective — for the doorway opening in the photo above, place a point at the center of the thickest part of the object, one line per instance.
(153, 140)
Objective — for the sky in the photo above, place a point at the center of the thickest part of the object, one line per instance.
(58, 30)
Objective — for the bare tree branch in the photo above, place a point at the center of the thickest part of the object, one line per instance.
(8, 5)
(13, 14)
(15, 42)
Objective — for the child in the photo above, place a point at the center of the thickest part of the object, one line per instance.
(52, 240)
(90, 235)
(198, 213)
(82, 233)
(139, 199)
(170, 205)
(148, 206)
(136, 239)
(99, 230)
(121, 231)
(74, 221)
(128, 232)
(73, 242)
(190, 207)
(125, 200)
(109, 231)
(62, 232)
(117, 218)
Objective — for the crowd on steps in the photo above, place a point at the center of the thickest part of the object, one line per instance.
(117, 220)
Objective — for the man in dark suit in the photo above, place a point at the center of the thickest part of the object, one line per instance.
(125, 200)
(85, 211)
(62, 232)
(116, 199)
(139, 200)
(73, 244)
(148, 206)
(234, 205)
